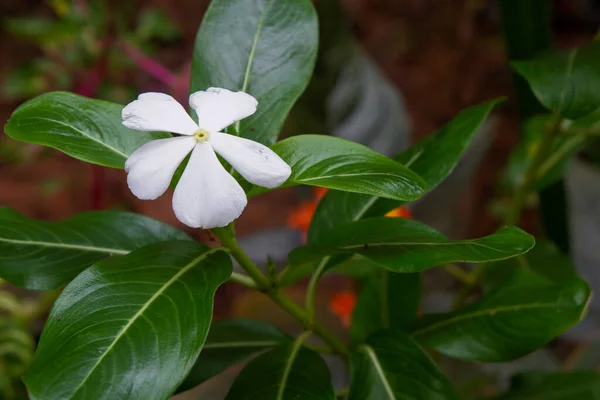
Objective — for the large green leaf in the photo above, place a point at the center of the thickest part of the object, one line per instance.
(520, 316)
(566, 82)
(392, 366)
(229, 342)
(405, 245)
(433, 158)
(266, 48)
(386, 300)
(44, 255)
(89, 130)
(326, 161)
(129, 327)
(577, 385)
(287, 372)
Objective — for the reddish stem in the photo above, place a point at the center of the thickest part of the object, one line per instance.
(151, 66)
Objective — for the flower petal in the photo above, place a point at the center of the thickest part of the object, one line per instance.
(218, 108)
(255, 162)
(158, 112)
(206, 195)
(151, 167)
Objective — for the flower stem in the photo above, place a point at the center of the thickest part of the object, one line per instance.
(263, 284)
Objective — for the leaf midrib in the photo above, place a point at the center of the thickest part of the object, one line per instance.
(139, 313)
(64, 246)
(375, 361)
(481, 313)
(252, 55)
(84, 134)
(248, 344)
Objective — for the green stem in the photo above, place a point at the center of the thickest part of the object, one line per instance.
(529, 178)
(311, 291)
(319, 349)
(342, 393)
(227, 236)
(458, 273)
(523, 190)
(243, 280)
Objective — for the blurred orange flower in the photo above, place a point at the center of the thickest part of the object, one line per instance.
(302, 215)
(342, 304)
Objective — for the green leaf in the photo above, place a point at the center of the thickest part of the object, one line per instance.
(566, 82)
(386, 300)
(86, 129)
(553, 168)
(287, 372)
(41, 255)
(129, 327)
(405, 245)
(577, 385)
(266, 48)
(522, 315)
(433, 159)
(334, 163)
(545, 259)
(392, 366)
(229, 342)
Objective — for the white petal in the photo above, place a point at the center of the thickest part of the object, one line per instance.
(218, 108)
(151, 167)
(206, 195)
(254, 161)
(158, 112)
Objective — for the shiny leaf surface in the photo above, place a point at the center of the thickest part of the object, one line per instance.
(433, 159)
(129, 327)
(42, 255)
(520, 316)
(287, 372)
(270, 53)
(392, 366)
(86, 129)
(229, 342)
(404, 245)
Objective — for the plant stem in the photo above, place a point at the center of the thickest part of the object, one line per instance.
(269, 288)
(458, 273)
(514, 213)
(311, 291)
(529, 178)
(342, 393)
(243, 280)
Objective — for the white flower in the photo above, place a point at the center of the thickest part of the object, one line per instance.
(207, 196)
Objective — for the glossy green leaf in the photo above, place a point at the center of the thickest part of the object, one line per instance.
(577, 385)
(266, 48)
(42, 255)
(545, 259)
(405, 245)
(89, 130)
(566, 82)
(433, 158)
(287, 372)
(229, 342)
(334, 163)
(386, 300)
(392, 366)
(551, 169)
(129, 327)
(520, 316)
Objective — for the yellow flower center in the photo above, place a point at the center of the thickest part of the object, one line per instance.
(201, 135)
